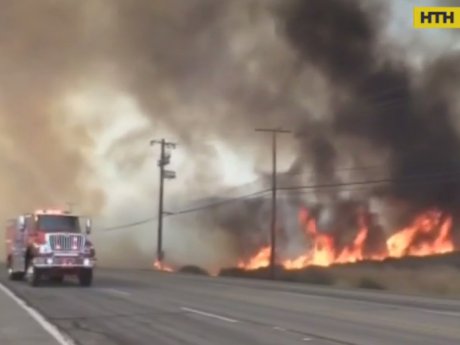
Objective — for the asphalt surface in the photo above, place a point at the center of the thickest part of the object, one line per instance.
(17, 327)
(143, 307)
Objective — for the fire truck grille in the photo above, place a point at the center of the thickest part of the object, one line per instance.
(66, 242)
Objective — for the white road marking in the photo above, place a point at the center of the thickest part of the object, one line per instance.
(281, 329)
(116, 292)
(39, 318)
(307, 339)
(202, 313)
(440, 312)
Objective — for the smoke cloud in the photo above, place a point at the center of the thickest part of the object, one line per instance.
(43, 56)
(386, 104)
(208, 72)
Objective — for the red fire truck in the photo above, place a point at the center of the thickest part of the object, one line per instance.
(49, 244)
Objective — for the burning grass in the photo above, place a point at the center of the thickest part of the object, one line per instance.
(428, 233)
(432, 275)
(417, 258)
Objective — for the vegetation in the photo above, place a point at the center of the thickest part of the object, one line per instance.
(191, 269)
(437, 275)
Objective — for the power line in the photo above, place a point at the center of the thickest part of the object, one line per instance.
(421, 178)
(185, 211)
(376, 101)
(220, 203)
(129, 225)
(426, 178)
(368, 182)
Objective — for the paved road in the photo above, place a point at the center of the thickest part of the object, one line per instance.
(17, 327)
(135, 307)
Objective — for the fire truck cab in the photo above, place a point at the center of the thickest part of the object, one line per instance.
(49, 244)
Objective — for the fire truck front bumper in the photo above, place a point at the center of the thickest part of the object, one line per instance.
(67, 263)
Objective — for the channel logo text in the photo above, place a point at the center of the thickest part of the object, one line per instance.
(437, 17)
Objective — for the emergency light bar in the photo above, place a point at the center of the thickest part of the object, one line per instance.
(51, 211)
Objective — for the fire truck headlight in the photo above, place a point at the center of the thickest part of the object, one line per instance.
(49, 261)
(87, 262)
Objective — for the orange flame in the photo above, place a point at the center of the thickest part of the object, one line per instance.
(161, 266)
(261, 259)
(429, 233)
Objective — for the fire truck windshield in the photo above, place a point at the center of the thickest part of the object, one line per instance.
(58, 223)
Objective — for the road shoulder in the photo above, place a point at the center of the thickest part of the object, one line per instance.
(20, 324)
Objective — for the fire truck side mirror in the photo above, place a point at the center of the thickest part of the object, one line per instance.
(88, 226)
(21, 223)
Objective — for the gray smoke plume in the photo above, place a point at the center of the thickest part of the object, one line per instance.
(215, 70)
(378, 100)
(43, 56)
(211, 71)
(193, 66)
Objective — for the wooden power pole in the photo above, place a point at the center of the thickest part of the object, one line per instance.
(164, 174)
(274, 132)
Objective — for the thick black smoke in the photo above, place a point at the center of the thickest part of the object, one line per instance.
(386, 105)
(249, 228)
(210, 71)
(380, 101)
(215, 70)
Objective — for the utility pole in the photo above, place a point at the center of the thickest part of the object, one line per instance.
(274, 132)
(165, 158)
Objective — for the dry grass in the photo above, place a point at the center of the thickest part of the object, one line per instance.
(190, 269)
(436, 276)
(440, 281)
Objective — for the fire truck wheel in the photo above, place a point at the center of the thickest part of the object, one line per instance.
(85, 277)
(34, 277)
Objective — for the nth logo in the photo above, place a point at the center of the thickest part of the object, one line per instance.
(437, 17)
